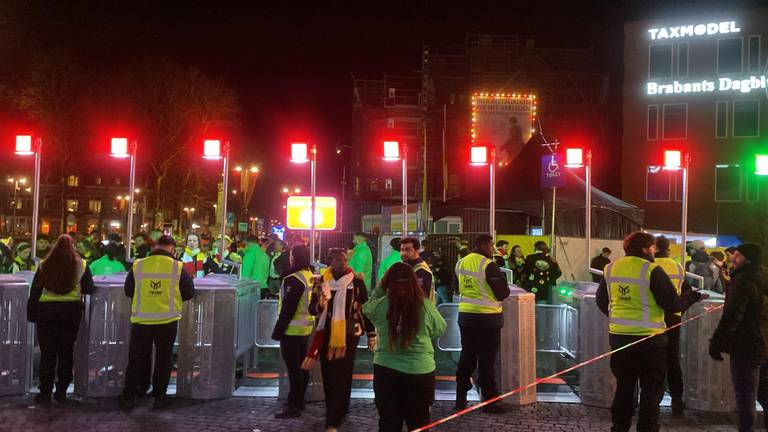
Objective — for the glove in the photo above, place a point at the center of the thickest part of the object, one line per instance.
(714, 352)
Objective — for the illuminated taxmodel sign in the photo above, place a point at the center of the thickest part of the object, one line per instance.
(691, 30)
(707, 86)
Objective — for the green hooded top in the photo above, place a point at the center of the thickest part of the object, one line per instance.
(104, 266)
(362, 262)
(389, 261)
(255, 264)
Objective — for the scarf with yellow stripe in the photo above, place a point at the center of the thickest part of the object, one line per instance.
(337, 342)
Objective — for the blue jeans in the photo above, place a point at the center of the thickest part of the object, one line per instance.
(443, 296)
(750, 382)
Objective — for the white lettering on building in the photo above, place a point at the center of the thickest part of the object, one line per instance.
(746, 85)
(693, 30)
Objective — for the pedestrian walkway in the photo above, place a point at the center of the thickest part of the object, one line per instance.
(243, 414)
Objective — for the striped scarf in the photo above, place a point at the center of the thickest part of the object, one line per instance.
(337, 343)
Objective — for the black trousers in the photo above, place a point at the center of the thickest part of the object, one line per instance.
(402, 397)
(645, 362)
(293, 350)
(56, 335)
(674, 373)
(750, 382)
(479, 348)
(143, 336)
(337, 383)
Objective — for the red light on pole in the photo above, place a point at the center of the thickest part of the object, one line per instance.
(391, 150)
(211, 149)
(119, 148)
(479, 156)
(673, 159)
(299, 153)
(574, 157)
(24, 145)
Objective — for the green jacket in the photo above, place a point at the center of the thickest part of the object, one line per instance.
(255, 264)
(104, 266)
(389, 261)
(419, 356)
(362, 262)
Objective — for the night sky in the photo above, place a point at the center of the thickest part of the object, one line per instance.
(291, 64)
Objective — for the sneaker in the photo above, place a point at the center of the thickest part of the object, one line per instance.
(126, 402)
(42, 399)
(289, 412)
(497, 408)
(162, 402)
(678, 407)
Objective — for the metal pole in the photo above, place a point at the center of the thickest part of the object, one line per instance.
(588, 206)
(131, 187)
(313, 185)
(15, 204)
(492, 207)
(224, 191)
(552, 226)
(36, 197)
(684, 228)
(405, 190)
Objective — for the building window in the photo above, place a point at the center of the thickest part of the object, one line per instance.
(660, 61)
(73, 181)
(753, 187)
(46, 202)
(754, 53)
(682, 59)
(94, 205)
(746, 118)
(657, 182)
(653, 122)
(675, 121)
(721, 119)
(727, 183)
(72, 204)
(729, 56)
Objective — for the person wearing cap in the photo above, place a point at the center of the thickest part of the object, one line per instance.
(743, 332)
(157, 286)
(676, 274)
(636, 294)
(22, 260)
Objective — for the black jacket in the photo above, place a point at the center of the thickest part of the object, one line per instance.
(540, 272)
(293, 289)
(360, 296)
(37, 311)
(743, 328)
(598, 263)
(186, 284)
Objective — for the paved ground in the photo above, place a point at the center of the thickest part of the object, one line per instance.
(243, 414)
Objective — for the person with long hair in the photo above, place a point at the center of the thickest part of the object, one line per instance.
(56, 305)
(404, 358)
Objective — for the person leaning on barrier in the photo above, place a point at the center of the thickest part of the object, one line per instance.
(56, 306)
(157, 286)
(294, 325)
(636, 294)
(404, 358)
(743, 332)
(482, 287)
(676, 274)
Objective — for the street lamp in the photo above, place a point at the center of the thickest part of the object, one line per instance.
(392, 153)
(212, 150)
(299, 154)
(121, 149)
(479, 157)
(25, 146)
(574, 158)
(675, 160)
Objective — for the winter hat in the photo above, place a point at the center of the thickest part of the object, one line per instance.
(700, 256)
(695, 245)
(751, 251)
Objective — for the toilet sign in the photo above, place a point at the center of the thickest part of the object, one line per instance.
(552, 171)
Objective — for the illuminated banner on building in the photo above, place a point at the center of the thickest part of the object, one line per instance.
(707, 86)
(691, 30)
(503, 121)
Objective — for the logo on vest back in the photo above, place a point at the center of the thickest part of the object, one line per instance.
(624, 293)
(155, 287)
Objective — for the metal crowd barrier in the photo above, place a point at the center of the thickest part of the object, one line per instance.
(15, 338)
(557, 329)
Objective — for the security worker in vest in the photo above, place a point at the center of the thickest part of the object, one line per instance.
(157, 286)
(482, 287)
(677, 275)
(56, 305)
(636, 294)
(409, 254)
(293, 327)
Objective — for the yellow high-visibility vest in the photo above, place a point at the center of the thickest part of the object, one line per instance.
(476, 295)
(633, 309)
(675, 272)
(424, 266)
(73, 295)
(302, 322)
(157, 296)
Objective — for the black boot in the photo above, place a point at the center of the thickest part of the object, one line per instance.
(678, 407)
(461, 400)
(162, 402)
(289, 412)
(126, 402)
(43, 399)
